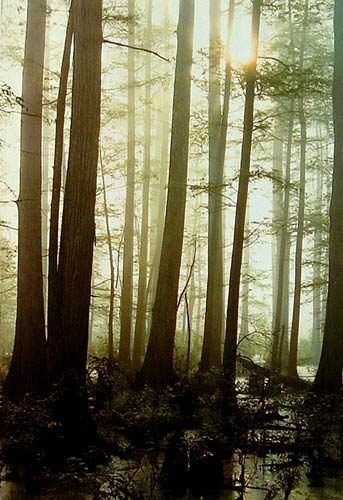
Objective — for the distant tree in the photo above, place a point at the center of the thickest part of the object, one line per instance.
(140, 326)
(111, 262)
(280, 326)
(211, 354)
(158, 363)
(27, 371)
(127, 286)
(329, 374)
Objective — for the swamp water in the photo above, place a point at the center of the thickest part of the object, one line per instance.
(264, 479)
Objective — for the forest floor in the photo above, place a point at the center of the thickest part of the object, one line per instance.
(187, 441)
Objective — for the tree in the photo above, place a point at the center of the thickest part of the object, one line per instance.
(281, 254)
(230, 348)
(140, 326)
(27, 371)
(57, 183)
(217, 124)
(280, 327)
(164, 136)
(293, 348)
(111, 262)
(329, 374)
(158, 363)
(127, 286)
(67, 344)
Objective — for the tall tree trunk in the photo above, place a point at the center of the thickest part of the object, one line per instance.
(280, 331)
(293, 348)
(45, 168)
(277, 209)
(282, 260)
(217, 122)
(163, 173)
(140, 327)
(27, 371)
(127, 287)
(211, 353)
(329, 374)
(57, 183)
(68, 347)
(317, 273)
(283, 351)
(158, 362)
(244, 323)
(230, 348)
(111, 259)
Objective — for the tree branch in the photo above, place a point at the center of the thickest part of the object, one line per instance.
(118, 44)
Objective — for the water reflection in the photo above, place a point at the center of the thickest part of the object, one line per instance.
(261, 480)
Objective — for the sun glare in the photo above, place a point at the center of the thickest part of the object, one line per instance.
(241, 46)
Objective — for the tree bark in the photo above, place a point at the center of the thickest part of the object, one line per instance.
(329, 374)
(68, 347)
(158, 362)
(217, 123)
(211, 353)
(317, 273)
(293, 348)
(57, 182)
(230, 348)
(282, 260)
(27, 371)
(244, 323)
(155, 248)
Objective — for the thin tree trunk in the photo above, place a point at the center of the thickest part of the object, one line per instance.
(111, 259)
(284, 340)
(27, 371)
(127, 287)
(277, 209)
(230, 348)
(293, 350)
(199, 311)
(140, 327)
(244, 324)
(276, 345)
(211, 354)
(317, 268)
(158, 362)
(189, 334)
(45, 170)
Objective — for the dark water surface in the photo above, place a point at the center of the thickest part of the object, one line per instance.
(260, 477)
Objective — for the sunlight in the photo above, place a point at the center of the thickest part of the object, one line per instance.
(241, 47)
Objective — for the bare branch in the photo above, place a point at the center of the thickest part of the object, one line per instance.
(118, 44)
